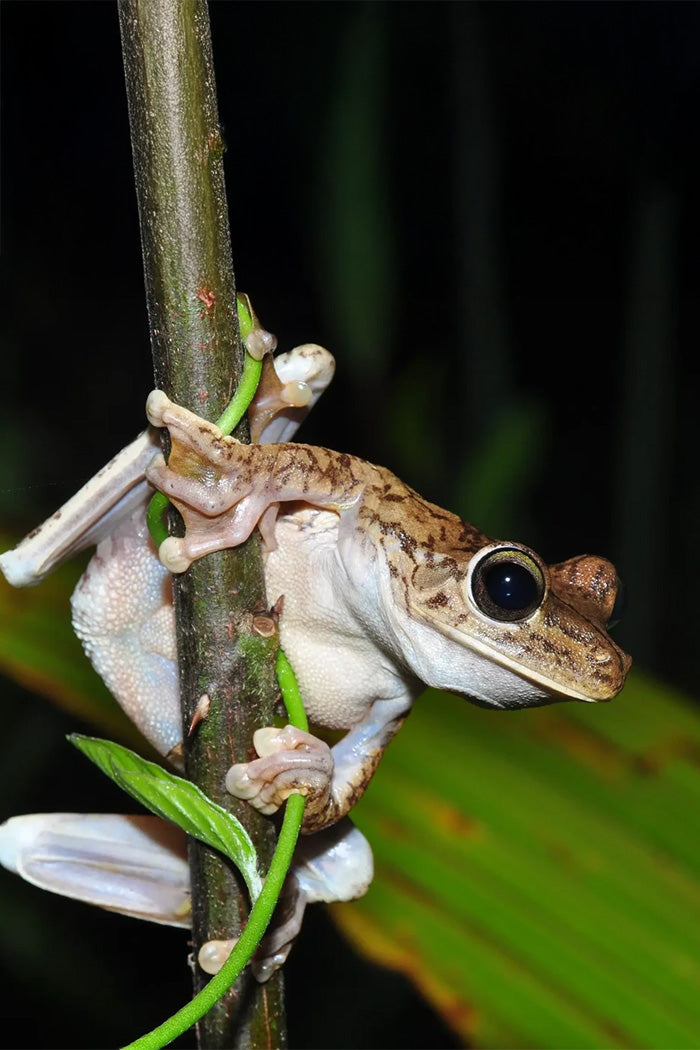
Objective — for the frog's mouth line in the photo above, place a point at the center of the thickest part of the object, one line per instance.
(554, 689)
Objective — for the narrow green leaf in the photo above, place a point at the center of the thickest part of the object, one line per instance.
(178, 800)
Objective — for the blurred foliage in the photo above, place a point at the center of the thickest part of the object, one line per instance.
(484, 211)
(39, 650)
(353, 201)
(535, 873)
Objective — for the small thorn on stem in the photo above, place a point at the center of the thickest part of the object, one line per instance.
(201, 712)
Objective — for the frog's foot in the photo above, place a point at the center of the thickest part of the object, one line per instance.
(290, 761)
(334, 865)
(206, 535)
(286, 922)
(162, 412)
(213, 480)
(289, 388)
(275, 946)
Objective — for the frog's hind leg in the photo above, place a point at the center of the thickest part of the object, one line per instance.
(122, 605)
(124, 616)
(135, 865)
(332, 865)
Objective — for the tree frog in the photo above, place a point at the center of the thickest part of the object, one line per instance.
(382, 593)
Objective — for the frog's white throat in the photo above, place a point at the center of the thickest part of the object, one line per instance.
(485, 678)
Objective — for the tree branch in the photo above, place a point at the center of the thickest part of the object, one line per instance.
(197, 356)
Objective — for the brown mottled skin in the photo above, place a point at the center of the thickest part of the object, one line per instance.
(423, 612)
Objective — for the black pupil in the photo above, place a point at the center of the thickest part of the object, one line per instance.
(510, 586)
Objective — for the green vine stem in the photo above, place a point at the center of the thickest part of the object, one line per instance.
(227, 421)
(262, 910)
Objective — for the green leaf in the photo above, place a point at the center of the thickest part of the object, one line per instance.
(178, 800)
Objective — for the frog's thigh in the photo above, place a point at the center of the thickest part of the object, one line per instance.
(123, 614)
(335, 864)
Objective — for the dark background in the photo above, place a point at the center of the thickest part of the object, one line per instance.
(489, 214)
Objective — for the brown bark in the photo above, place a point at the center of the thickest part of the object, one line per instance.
(197, 356)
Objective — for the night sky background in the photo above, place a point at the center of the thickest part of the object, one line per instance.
(489, 213)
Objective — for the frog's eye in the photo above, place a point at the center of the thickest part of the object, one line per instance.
(618, 606)
(507, 584)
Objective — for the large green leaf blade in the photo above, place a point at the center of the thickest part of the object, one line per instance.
(525, 878)
(537, 872)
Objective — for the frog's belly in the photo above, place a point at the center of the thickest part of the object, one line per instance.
(340, 670)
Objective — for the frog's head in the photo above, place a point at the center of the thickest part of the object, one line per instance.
(527, 633)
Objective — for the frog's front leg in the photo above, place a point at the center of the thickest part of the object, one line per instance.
(332, 779)
(224, 489)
